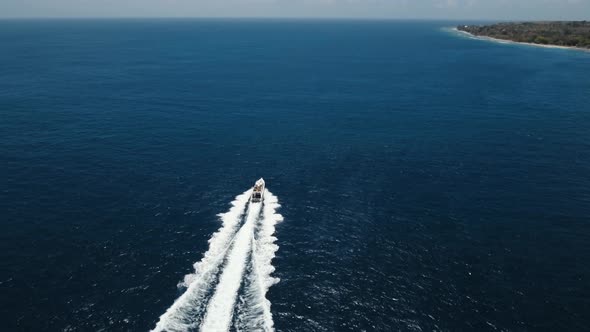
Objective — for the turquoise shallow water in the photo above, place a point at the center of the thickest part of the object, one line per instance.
(428, 181)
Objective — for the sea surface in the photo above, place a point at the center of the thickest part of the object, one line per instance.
(427, 181)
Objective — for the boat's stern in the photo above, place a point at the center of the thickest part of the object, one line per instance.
(258, 191)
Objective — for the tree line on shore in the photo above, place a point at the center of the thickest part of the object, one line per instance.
(574, 33)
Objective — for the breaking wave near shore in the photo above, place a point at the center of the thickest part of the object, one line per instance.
(228, 288)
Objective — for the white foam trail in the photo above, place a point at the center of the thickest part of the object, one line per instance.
(221, 306)
(184, 314)
(254, 309)
(263, 253)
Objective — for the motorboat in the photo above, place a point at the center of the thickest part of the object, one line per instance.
(258, 191)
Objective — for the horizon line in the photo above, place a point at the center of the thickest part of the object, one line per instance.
(286, 18)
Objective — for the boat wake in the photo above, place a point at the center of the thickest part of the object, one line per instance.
(228, 288)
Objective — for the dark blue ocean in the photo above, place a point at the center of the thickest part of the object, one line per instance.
(428, 181)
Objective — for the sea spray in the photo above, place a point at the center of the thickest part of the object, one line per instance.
(187, 310)
(254, 308)
(221, 306)
(237, 257)
(265, 249)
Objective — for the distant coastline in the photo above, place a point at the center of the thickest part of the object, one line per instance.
(563, 35)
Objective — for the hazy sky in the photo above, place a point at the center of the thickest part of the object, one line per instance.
(444, 9)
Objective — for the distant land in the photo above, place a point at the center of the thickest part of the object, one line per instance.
(563, 33)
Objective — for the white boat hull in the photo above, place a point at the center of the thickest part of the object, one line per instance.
(258, 191)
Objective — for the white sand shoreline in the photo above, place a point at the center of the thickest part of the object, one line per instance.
(505, 41)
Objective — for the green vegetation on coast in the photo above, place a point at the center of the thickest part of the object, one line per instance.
(571, 34)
